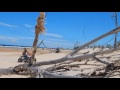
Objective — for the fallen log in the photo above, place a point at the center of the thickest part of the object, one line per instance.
(68, 65)
(101, 61)
(58, 76)
(27, 67)
(74, 57)
(35, 72)
(69, 57)
(81, 57)
(7, 71)
(95, 40)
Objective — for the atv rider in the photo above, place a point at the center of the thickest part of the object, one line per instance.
(57, 50)
(25, 53)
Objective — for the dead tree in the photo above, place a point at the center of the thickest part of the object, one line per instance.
(116, 23)
(39, 28)
(71, 57)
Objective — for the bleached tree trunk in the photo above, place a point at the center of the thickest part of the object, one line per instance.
(95, 40)
(7, 71)
(39, 28)
(74, 57)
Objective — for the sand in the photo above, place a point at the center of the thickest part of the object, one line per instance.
(9, 57)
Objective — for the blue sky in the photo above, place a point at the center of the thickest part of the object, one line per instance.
(64, 29)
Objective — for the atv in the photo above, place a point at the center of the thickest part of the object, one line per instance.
(25, 59)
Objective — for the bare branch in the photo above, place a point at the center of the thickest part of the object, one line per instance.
(95, 40)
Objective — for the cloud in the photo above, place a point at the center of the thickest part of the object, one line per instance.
(51, 42)
(8, 25)
(15, 39)
(53, 35)
(28, 38)
(11, 39)
(55, 40)
(59, 44)
(27, 25)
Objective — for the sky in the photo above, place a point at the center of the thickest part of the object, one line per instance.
(63, 29)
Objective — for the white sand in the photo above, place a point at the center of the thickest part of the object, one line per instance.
(9, 59)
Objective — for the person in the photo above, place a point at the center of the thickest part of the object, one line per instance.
(57, 50)
(25, 53)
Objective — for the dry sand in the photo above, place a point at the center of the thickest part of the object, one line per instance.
(9, 57)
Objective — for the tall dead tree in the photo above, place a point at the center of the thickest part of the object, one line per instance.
(39, 28)
(116, 34)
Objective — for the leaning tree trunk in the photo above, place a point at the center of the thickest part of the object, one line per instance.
(39, 28)
(34, 45)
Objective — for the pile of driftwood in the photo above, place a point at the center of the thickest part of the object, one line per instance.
(35, 71)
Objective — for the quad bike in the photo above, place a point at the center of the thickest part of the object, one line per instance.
(57, 50)
(25, 59)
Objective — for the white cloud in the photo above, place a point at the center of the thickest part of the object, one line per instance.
(50, 42)
(27, 25)
(8, 25)
(59, 44)
(55, 40)
(15, 39)
(28, 38)
(11, 39)
(53, 35)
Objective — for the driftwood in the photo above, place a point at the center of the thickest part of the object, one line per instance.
(7, 71)
(27, 67)
(101, 61)
(68, 66)
(95, 40)
(59, 76)
(68, 58)
(34, 70)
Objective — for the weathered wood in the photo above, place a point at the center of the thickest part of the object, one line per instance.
(68, 65)
(69, 58)
(58, 76)
(7, 71)
(74, 57)
(88, 56)
(101, 61)
(40, 28)
(24, 67)
(35, 70)
(95, 40)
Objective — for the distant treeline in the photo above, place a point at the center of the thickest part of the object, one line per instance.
(22, 46)
(14, 45)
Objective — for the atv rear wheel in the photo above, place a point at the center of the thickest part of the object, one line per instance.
(19, 60)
